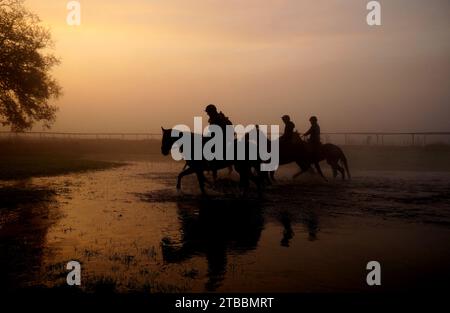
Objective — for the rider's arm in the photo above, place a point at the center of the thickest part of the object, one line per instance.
(308, 132)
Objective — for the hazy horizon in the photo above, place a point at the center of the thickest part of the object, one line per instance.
(137, 66)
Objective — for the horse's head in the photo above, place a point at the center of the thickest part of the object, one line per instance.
(167, 141)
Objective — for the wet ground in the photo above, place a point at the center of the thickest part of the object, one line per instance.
(132, 231)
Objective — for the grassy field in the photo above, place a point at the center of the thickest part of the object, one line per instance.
(26, 166)
(25, 159)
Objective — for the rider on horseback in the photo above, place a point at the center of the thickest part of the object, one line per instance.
(289, 127)
(217, 118)
(314, 138)
(289, 134)
(221, 120)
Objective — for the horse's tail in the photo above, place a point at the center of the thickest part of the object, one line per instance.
(344, 161)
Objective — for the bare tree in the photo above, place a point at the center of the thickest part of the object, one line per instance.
(26, 83)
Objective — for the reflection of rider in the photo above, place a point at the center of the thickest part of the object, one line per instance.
(314, 137)
(288, 233)
(289, 127)
(216, 230)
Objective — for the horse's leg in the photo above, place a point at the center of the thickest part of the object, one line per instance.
(201, 181)
(341, 170)
(303, 169)
(244, 180)
(272, 176)
(266, 178)
(257, 179)
(334, 163)
(333, 167)
(335, 171)
(263, 176)
(319, 170)
(345, 163)
(187, 171)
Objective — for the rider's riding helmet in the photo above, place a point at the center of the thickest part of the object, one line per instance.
(286, 118)
(211, 108)
(313, 119)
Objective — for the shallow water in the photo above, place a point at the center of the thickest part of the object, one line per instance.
(132, 231)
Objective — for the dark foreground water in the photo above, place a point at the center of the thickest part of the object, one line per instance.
(132, 231)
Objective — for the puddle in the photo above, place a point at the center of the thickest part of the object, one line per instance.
(132, 231)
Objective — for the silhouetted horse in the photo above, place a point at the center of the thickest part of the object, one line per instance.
(242, 167)
(295, 151)
(333, 154)
(299, 152)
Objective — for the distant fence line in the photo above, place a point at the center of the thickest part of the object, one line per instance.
(348, 138)
(75, 135)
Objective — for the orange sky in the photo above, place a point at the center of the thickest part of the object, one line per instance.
(136, 65)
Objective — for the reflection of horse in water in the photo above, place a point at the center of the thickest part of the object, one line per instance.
(308, 218)
(214, 228)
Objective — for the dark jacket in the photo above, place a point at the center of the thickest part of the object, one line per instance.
(289, 129)
(314, 134)
(220, 119)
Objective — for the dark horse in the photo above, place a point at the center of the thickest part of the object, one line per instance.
(333, 155)
(242, 167)
(299, 151)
